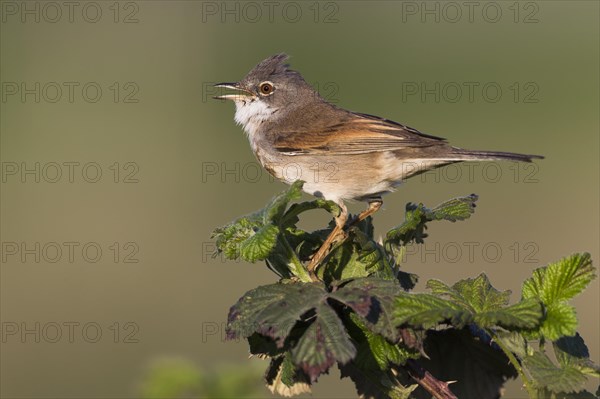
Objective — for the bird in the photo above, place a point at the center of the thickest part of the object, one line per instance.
(340, 155)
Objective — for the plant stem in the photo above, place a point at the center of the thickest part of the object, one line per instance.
(438, 389)
(296, 266)
(297, 209)
(515, 363)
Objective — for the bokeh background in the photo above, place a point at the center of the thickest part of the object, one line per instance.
(145, 316)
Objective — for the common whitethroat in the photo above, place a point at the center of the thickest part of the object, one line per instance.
(340, 154)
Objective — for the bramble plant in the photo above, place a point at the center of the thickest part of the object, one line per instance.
(461, 340)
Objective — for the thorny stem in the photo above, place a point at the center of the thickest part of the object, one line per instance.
(438, 389)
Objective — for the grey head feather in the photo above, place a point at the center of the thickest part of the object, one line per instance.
(274, 65)
(273, 69)
(291, 92)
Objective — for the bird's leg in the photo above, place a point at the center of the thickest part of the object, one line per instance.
(340, 222)
(374, 205)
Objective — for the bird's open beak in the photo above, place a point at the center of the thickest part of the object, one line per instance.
(240, 93)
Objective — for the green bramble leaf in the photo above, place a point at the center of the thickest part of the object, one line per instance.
(488, 305)
(285, 379)
(513, 341)
(468, 301)
(567, 379)
(556, 379)
(370, 369)
(230, 238)
(380, 293)
(560, 321)
(426, 311)
(359, 256)
(291, 216)
(273, 310)
(525, 314)
(254, 237)
(553, 285)
(562, 280)
(275, 210)
(299, 316)
(455, 209)
(376, 351)
(572, 351)
(414, 226)
(258, 246)
(324, 343)
(479, 294)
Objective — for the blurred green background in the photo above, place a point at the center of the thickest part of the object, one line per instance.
(174, 166)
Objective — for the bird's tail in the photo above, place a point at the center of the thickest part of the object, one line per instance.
(469, 155)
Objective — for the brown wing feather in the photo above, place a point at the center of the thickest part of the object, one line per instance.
(356, 134)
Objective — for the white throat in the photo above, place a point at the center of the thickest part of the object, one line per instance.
(251, 114)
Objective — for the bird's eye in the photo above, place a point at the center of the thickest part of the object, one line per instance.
(266, 88)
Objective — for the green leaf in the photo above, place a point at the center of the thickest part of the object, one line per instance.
(460, 208)
(513, 342)
(426, 311)
(370, 369)
(323, 343)
(276, 208)
(381, 293)
(525, 314)
(572, 346)
(554, 285)
(416, 216)
(374, 350)
(480, 295)
(413, 227)
(230, 238)
(291, 216)
(344, 263)
(560, 281)
(556, 379)
(572, 351)
(258, 246)
(273, 310)
(285, 379)
(560, 321)
(254, 237)
(467, 301)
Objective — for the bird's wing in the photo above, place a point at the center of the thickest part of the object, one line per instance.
(356, 134)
